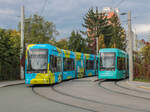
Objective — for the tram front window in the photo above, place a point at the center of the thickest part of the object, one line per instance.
(107, 61)
(37, 60)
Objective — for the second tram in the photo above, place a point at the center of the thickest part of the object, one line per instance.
(113, 64)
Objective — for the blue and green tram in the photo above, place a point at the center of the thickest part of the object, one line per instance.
(113, 64)
(79, 64)
(90, 64)
(47, 64)
(68, 64)
(43, 64)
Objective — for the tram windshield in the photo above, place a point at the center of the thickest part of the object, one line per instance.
(107, 61)
(37, 60)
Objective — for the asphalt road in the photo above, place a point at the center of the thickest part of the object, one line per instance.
(22, 99)
(82, 95)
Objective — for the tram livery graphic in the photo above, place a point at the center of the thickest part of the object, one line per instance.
(47, 64)
(113, 64)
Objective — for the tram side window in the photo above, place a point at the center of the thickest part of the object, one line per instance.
(55, 64)
(89, 64)
(121, 65)
(68, 64)
(59, 64)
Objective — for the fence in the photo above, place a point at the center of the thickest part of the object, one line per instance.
(9, 72)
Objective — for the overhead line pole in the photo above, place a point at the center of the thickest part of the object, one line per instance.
(97, 45)
(130, 46)
(22, 42)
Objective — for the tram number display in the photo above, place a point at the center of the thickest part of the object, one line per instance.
(38, 52)
(107, 54)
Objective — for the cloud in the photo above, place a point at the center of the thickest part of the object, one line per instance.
(10, 1)
(7, 12)
(142, 28)
(68, 14)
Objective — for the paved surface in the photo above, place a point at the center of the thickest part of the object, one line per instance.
(142, 85)
(20, 98)
(103, 97)
(9, 83)
(122, 87)
(82, 95)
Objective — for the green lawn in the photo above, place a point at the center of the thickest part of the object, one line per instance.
(142, 80)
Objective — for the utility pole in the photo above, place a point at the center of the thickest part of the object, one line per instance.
(130, 46)
(97, 45)
(22, 42)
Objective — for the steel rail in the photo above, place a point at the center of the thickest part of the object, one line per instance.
(116, 83)
(59, 102)
(94, 101)
(110, 90)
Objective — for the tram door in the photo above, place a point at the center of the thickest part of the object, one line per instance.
(79, 68)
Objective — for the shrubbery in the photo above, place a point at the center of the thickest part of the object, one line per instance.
(142, 63)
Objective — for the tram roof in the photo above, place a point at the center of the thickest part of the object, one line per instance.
(111, 50)
(36, 46)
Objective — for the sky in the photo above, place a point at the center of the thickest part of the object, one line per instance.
(68, 15)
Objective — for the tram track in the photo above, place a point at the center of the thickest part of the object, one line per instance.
(117, 92)
(63, 93)
(59, 102)
(53, 88)
(116, 83)
(95, 101)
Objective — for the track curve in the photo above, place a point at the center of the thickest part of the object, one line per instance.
(125, 93)
(128, 88)
(59, 102)
(81, 93)
(77, 95)
(20, 98)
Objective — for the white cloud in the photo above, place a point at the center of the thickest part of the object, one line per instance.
(7, 12)
(10, 1)
(142, 28)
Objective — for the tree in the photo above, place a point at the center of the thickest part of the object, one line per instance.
(97, 26)
(142, 62)
(107, 28)
(77, 43)
(118, 39)
(146, 52)
(9, 54)
(101, 42)
(6, 47)
(62, 44)
(38, 30)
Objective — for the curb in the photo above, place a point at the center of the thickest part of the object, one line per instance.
(6, 84)
(127, 82)
(133, 85)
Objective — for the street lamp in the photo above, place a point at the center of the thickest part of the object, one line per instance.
(124, 13)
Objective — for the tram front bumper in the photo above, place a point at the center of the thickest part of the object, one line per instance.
(107, 75)
(37, 81)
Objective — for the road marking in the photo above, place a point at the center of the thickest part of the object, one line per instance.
(143, 87)
(148, 88)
